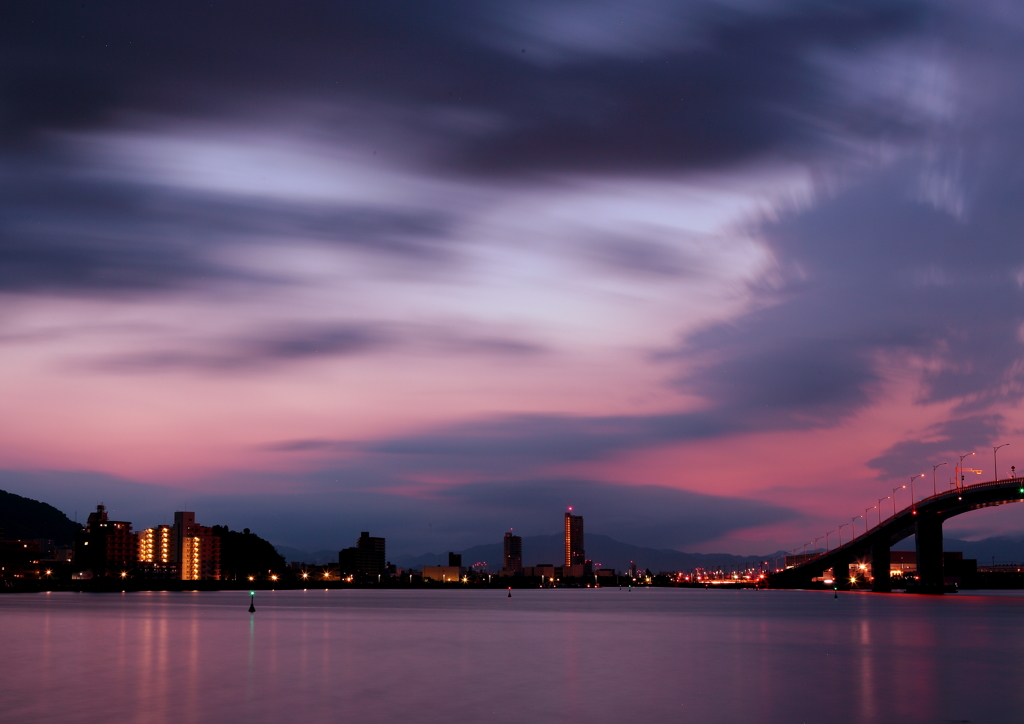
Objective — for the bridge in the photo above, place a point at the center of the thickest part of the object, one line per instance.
(922, 519)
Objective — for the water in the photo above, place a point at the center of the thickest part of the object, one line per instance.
(565, 655)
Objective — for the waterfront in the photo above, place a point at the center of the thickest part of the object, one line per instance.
(563, 655)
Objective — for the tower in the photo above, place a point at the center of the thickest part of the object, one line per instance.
(513, 559)
(574, 553)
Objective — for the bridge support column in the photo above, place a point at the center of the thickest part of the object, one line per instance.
(880, 564)
(841, 574)
(929, 556)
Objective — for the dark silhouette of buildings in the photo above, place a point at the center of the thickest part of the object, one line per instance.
(574, 553)
(105, 547)
(454, 559)
(513, 558)
(368, 558)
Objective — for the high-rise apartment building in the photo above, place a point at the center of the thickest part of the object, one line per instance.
(158, 552)
(198, 549)
(366, 558)
(574, 553)
(513, 558)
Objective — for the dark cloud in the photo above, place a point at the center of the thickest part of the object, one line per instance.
(303, 341)
(60, 233)
(329, 509)
(641, 257)
(738, 85)
(943, 442)
(284, 345)
(521, 445)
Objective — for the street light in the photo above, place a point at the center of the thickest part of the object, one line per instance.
(826, 540)
(816, 544)
(867, 524)
(841, 533)
(960, 471)
(934, 467)
(902, 487)
(853, 528)
(995, 466)
(912, 502)
(879, 506)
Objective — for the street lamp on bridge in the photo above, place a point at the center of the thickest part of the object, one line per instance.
(826, 539)
(960, 469)
(995, 465)
(902, 487)
(879, 506)
(853, 528)
(913, 503)
(841, 533)
(934, 468)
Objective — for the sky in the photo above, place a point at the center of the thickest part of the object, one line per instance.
(720, 275)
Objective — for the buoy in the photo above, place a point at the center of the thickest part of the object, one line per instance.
(252, 601)
(510, 591)
(836, 593)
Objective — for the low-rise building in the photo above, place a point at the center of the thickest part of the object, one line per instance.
(445, 574)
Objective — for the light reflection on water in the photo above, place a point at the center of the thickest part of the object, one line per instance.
(569, 655)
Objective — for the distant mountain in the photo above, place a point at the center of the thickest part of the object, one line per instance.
(1004, 549)
(27, 519)
(316, 558)
(609, 552)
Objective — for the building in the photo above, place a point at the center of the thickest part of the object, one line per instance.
(443, 573)
(547, 571)
(184, 551)
(158, 552)
(513, 558)
(455, 559)
(367, 558)
(105, 547)
(197, 547)
(20, 559)
(574, 553)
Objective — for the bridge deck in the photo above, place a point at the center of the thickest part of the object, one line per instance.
(933, 509)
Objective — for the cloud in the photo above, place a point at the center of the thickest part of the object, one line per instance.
(67, 235)
(727, 86)
(299, 341)
(942, 442)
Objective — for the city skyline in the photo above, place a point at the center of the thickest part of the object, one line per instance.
(721, 274)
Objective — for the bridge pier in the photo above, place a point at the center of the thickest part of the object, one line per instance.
(881, 560)
(929, 556)
(841, 574)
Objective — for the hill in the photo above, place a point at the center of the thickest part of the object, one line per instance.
(27, 519)
(609, 552)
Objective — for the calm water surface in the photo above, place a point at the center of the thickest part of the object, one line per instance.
(568, 655)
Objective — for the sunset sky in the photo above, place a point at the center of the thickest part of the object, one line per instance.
(719, 275)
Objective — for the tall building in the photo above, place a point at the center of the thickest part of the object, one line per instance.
(105, 547)
(513, 559)
(183, 551)
(455, 559)
(367, 558)
(574, 553)
(198, 549)
(158, 552)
